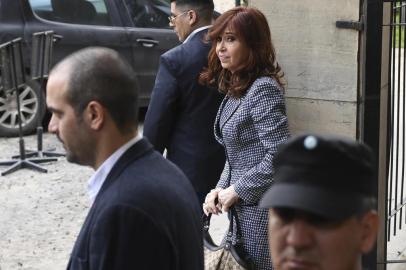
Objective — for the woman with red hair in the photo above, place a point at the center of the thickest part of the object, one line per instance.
(251, 121)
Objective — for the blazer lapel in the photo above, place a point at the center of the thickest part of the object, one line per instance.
(236, 106)
(218, 127)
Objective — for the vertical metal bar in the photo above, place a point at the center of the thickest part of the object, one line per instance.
(404, 122)
(384, 136)
(15, 48)
(42, 86)
(403, 15)
(372, 125)
(390, 115)
(396, 126)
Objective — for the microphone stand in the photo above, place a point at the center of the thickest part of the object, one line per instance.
(10, 58)
(42, 47)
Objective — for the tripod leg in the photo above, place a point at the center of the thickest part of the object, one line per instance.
(34, 154)
(17, 165)
(31, 165)
(52, 154)
(28, 155)
(8, 162)
(40, 132)
(23, 164)
(41, 160)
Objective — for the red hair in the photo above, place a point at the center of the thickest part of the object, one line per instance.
(251, 27)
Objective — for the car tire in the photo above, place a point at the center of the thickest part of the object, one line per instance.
(32, 111)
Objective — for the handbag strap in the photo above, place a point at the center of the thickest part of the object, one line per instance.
(234, 216)
(206, 222)
(233, 212)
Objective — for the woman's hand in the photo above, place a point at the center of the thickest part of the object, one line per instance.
(227, 198)
(211, 203)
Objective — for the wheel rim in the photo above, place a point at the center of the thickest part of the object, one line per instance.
(8, 107)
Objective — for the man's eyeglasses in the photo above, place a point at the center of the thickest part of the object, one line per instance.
(172, 18)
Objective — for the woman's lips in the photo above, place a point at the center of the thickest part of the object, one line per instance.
(300, 264)
(223, 58)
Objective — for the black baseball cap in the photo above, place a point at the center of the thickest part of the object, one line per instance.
(329, 176)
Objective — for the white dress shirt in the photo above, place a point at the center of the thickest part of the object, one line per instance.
(196, 31)
(97, 179)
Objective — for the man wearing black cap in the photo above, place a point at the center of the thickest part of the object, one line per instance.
(322, 204)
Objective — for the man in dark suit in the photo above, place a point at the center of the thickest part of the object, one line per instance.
(144, 210)
(181, 113)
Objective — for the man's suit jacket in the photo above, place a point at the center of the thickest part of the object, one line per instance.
(144, 217)
(181, 114)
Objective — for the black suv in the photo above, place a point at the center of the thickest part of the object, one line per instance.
(138, 29)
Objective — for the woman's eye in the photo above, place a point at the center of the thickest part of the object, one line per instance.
(218, 39)
(230, 39)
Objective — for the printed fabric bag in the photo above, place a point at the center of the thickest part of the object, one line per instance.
(227, 256)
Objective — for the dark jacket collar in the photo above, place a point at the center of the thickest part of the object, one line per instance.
(136, 151)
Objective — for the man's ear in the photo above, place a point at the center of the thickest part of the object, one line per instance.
(193, 17)
(370, 222)
(95, 115)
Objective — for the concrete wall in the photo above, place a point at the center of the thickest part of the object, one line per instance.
(223, 5)
(319, 60)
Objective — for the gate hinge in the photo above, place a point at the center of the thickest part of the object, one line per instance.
(359, 26)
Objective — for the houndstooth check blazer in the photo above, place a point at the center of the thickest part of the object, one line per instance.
(250, 128)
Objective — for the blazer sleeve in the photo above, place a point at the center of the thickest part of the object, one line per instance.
(268, 112)
(160, 117)
(125, 238)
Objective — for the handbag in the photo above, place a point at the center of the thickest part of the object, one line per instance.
(227, 256)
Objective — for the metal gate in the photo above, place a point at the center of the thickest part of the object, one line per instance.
(392, 180)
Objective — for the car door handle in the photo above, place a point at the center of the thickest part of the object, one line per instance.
(57, 38)
(147, 43)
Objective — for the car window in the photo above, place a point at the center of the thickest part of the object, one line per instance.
(149, 13)
(93, 12)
